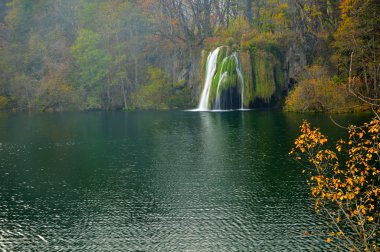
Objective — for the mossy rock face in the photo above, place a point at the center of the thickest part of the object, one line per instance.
(245, 58)
(268, 76)
(264, 85)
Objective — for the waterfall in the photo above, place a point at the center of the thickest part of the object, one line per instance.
(241, 79)
(217, 99)
(222, 82)
(210, 71)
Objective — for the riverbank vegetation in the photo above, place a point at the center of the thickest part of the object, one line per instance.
(353, 49)
(316, 91)
(65, 55)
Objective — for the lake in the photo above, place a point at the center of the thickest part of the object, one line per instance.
(156, 181)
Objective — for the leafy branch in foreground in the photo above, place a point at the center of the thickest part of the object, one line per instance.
(345, 183)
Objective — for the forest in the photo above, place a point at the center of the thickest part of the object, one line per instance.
(61, 55)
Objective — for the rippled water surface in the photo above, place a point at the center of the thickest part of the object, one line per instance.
(154, 181)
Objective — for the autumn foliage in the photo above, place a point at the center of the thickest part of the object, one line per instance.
(316, 91)
(345, 183)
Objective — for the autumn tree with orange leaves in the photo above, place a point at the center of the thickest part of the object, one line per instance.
(345, 183)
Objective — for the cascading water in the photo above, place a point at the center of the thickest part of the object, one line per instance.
(224, 83)
(210, 71)
(241, 79)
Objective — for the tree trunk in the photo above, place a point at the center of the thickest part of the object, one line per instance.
(218, 12)
(136, 71)
(248, 12)
(108, 94)
(124, 94)
(206, 19)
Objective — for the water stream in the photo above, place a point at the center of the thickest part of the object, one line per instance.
(210, 71)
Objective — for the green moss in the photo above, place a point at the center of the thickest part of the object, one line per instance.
(264, 80)
(247, 73)
(268, 76)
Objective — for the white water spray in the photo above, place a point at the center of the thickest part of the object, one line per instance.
(241, 79)
(210, 71)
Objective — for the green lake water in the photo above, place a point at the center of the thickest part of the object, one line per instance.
(156, 181)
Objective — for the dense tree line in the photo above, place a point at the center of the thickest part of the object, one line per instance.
(114, 54)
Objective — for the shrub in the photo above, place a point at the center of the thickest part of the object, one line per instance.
(317, 92)
(345, 183)
(160, 93)
(3, 102)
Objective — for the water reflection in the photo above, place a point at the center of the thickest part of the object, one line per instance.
(163, 181)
